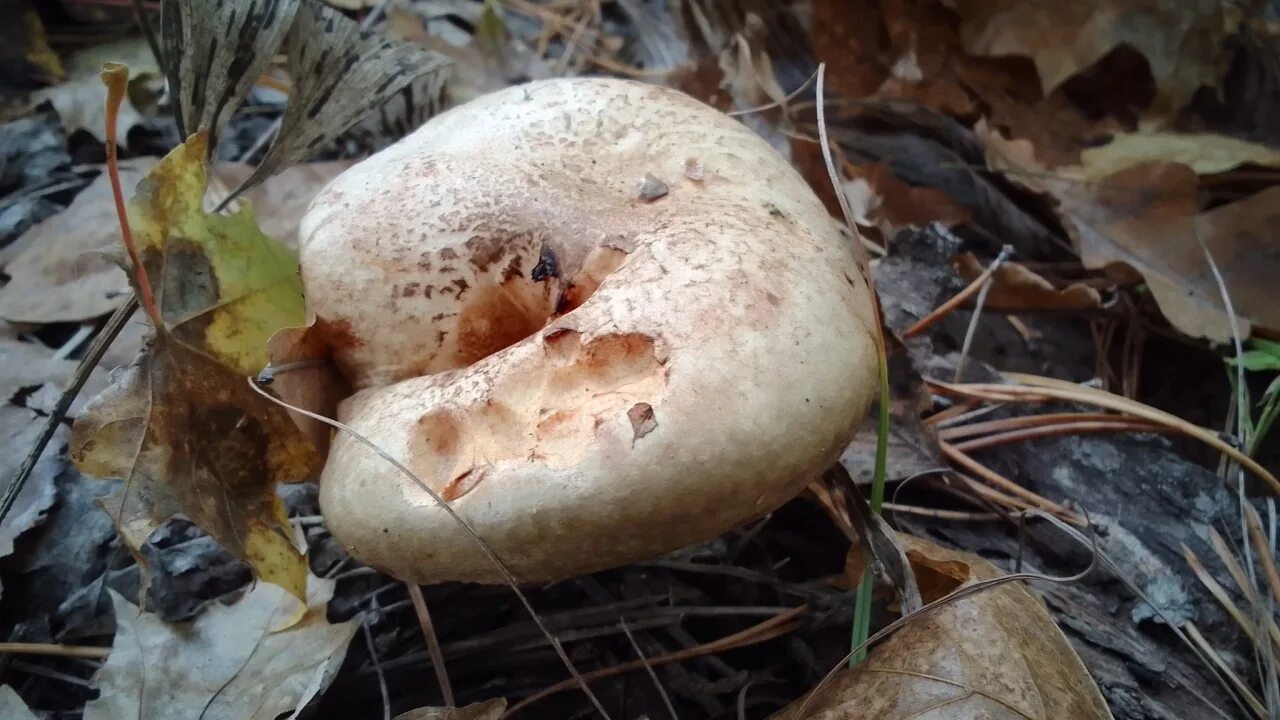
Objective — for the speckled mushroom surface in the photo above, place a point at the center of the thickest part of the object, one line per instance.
(599, 317)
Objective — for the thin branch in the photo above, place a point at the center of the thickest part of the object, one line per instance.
(433, 642)
(662, 691)
(970, 331)
(99, 347)
(54, 649)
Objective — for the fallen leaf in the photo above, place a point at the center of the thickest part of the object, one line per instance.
(19, 427)
(209, 76)
(1185, 50)
(1146, 217)
(81, 100)
(26, 56)
(12, 706)
(343, 71)
(228, 663)
(487, 710)
(1015, 287)
(1056, 127)
(995, 655)
(182, 426)
(28, 365)
(1205, 153)
(889, 204)
(64, 271)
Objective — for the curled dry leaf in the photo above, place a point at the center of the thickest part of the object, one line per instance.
(1184, 50)
(209, 76)
(1015, 287)
(1148, 216)
(340, 74)
(995, 655)
(229, 663)
(487, 710)
(1204, 153)
(182, 426)
(81, 101)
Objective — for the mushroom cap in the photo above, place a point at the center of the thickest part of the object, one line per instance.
(601, 318)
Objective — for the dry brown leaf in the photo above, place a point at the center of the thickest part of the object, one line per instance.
(1185, 50)
(1015, 287)
(888, 204)
(1014, 103)
(1145, 217)
(487, 710)
(996, 655)
(1205, 153)
(81, 101)
(65, 273)
(228, 663)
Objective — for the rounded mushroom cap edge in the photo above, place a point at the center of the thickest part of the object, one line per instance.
(601, 318)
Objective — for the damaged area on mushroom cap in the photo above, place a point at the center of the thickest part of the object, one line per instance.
(599, 322)
(550, 413)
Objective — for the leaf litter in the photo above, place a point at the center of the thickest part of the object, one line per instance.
(997, 66)
(180, 426)
(229, 663)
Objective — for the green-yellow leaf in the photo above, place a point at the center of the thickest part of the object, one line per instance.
(182, 426)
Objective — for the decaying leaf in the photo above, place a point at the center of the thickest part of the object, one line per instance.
(80, 101)
(19, 428)
(1204, 153)
(1149, 216)
(1015, 287)
(487, 710)
(1146, 217)
(1184, 49)
(995, 655)
(341, 73)
(182, 426)
(228, 663)
(218, 50)
(64, 270)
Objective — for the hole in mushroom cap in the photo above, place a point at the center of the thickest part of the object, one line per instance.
(555, 414)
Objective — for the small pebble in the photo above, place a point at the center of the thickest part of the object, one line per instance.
(652, 188)
(693, 169)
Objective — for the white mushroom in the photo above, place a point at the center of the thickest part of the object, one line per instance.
(594, 353)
